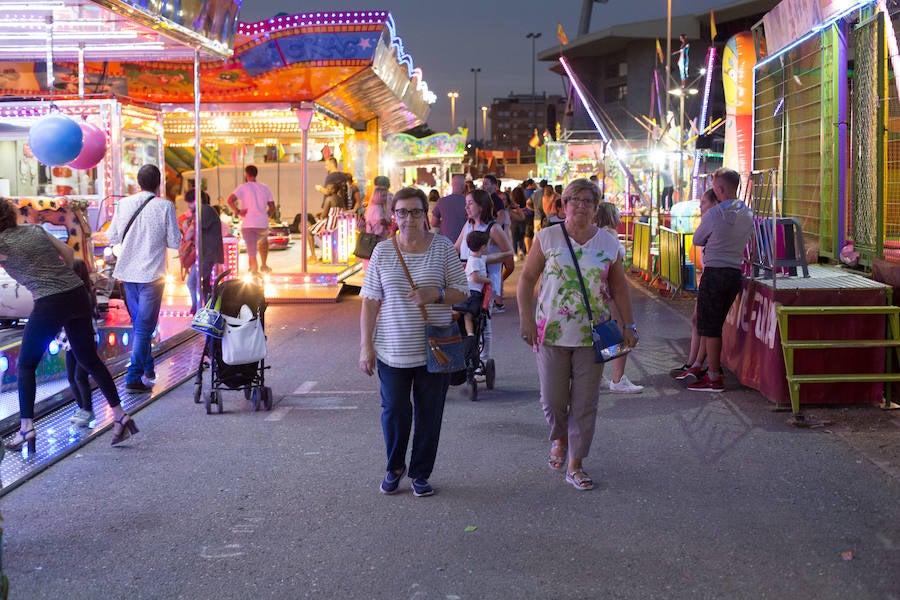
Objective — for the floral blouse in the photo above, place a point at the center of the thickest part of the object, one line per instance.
(560, 314)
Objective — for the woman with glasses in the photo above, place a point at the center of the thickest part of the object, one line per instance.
(392, 336)
(556, 324)
(480, 217)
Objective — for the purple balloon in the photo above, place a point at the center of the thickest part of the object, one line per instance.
(55, 140)
(94, 148)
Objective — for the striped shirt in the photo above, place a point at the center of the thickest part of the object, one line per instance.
(400, 330)
(143, 255)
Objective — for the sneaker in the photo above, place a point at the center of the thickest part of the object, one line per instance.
(705, 384)
(391, 481)
(138, 387)
(625, 387)
(695, 373)
(81, 417)
(421, 487)
(499, 308)
(149, 378)
(674, 373)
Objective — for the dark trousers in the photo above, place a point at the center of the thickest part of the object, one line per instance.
(665, 200)
(78, 383)
(423, 415)
(71, 310)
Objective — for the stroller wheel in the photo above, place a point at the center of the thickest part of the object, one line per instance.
(210, 398)
(267, 398)
(254, 398)
(473, 389)
(220, 403)
(490, 372)
(247, 391)
(198, 392)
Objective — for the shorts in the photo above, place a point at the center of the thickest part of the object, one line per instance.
(472, 304)
(719, 286)
(252, 235)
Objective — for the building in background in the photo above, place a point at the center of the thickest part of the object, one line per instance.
(514, 119)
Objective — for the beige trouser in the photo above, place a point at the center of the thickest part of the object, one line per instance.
(570, 381)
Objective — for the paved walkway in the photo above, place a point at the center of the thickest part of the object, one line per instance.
(697, 496)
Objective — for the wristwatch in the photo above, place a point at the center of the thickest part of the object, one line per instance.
(440, 298)
(631, 326)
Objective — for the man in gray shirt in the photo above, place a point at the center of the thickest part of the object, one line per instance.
(141, 267)
(450, 213)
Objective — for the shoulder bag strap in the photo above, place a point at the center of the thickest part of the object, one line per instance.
(408, 276)
(136, 213)
(587, 303)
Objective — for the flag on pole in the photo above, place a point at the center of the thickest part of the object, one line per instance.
(659, 53)
(561, 35)
(712, 24)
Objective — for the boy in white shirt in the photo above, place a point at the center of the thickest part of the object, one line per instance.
(476, 274)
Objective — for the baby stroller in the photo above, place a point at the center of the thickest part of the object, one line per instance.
(251, 378)
(475, 367)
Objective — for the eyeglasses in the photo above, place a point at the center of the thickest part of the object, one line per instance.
(580, 202)
(415, 213)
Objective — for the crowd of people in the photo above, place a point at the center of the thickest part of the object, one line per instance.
(427, 268)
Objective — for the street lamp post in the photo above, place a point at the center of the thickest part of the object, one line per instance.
(475, 71)
(533, 37)
(453, 96)
(484, 110)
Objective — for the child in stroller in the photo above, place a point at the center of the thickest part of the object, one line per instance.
(475, 314)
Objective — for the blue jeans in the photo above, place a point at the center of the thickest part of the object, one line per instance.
(144, 300)
(423, 414)
(72, 310)
(193, 287)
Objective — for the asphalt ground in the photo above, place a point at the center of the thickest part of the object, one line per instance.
(698, 495)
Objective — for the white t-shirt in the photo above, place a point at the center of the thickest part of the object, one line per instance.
(254, 197)
(476, 264)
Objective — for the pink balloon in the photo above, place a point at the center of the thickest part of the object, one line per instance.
(94, 148)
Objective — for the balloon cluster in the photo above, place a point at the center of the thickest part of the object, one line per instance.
(57, 140)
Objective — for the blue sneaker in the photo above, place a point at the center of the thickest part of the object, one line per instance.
(391, 481)
(421, 487)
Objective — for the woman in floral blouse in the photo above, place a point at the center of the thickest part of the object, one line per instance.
(557, 327)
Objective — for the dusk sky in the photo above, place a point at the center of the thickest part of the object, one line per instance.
(447, 38)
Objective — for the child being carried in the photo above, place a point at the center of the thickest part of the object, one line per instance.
(476, 274)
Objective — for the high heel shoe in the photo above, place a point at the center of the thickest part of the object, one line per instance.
(123, 429)
(23, 437)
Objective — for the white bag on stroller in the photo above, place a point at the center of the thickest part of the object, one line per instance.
(244, 340)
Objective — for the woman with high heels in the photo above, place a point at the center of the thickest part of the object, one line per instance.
(43, 265)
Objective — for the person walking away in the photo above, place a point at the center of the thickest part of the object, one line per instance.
(537, 200)
(723, 232)
(556, 324)
(141, 267)
(476, 274)
(518, 221)
(213, 252)
(254, 203)
(449, 216)
(609, 219)
(392, 337)
(43, 265)
(75, 374)
(668, 190)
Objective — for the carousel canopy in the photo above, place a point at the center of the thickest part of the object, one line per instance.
(116, 29)
(351, 64)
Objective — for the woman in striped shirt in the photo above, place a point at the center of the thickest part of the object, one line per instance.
(392, 336)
